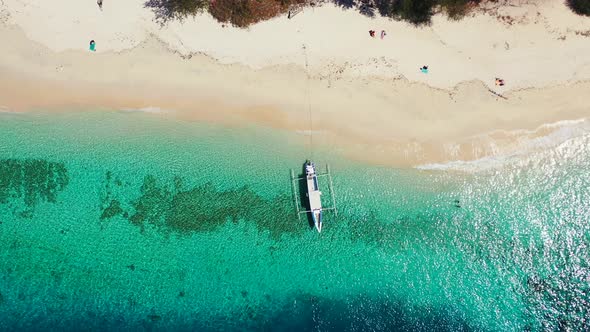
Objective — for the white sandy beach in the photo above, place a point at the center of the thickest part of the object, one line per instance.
(368, 97)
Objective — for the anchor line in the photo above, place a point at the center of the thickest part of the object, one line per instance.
(307, 95)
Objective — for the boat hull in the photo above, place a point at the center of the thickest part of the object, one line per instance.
(314, 195)
(317, 220)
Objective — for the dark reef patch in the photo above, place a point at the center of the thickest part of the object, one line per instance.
(111, 207)
(361, 313)
(33, 181)
(560, 301)
(184, 210)
(154, 317)
(112, 210)
(301, 312)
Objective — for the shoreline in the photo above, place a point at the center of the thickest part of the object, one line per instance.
(387, 120)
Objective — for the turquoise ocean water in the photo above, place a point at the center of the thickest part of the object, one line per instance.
(128, 221)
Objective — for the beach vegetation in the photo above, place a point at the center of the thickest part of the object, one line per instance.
(420, 12)
(413, 11)
(457, 9)
(166, 10)
(242, 13)
(581, 7)
(365, 7)
(347, 4)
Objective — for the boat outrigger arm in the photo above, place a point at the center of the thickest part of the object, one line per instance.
(313, 194)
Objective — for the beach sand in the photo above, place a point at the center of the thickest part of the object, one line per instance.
(368, 98)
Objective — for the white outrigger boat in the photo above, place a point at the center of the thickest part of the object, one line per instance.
(314, 194)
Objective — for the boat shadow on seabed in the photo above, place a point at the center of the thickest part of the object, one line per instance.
(300, 198)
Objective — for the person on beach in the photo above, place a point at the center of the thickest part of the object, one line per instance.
(499, 81)
(424, 69)
(92, 46)
(372, 33)
(383, 34)
(99, 2)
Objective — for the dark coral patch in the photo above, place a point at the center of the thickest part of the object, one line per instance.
(32, 180)
(183, 209)
(154, 318)
(112, 210)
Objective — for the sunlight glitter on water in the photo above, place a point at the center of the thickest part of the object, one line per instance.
(149, 224)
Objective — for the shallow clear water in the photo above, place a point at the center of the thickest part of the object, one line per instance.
(119, 221)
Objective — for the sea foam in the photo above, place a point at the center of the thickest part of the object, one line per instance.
(149, 109)
(4, 109)
(563, 135)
